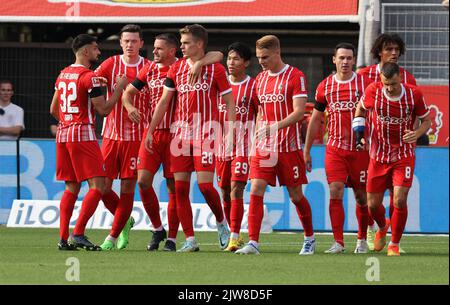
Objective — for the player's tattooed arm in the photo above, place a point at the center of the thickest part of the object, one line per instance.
(358, 126)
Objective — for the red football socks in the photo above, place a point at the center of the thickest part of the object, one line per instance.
(237, 213)
(111, 200)
(398, 223)
(88, 207)
(227, 211)
(362, 215)
(122, 214)
(337, 217)
(304, 212)
(379, 215)
(172, 216)
(151, 205)
(255, 217)
(66, 207)
(212, 198)
(184, 209)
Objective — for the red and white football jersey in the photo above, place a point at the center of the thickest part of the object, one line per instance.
(117, 126)
(276, 93)
(390, 118)
(76, 112)
(373, 74)
(154, 76)
(246, 101)
(341, 99)
(197, 106)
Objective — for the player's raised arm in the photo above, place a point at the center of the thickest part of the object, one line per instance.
(127, 101)
(98, 100)
(210, 58)
(54, 106)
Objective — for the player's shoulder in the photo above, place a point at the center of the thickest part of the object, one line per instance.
(366, 70)
(373, 87)
(414, 89)
(110, 61)
(294, 71)
(325, 81)
(218, 67)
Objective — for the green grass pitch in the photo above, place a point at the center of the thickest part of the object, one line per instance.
(30, 256)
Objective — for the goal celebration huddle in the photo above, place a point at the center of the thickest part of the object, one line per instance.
(192, 114)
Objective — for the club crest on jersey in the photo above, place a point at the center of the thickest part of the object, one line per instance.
(244, 100)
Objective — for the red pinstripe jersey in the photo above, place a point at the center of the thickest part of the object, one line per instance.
(341, 99)
(76, 112)
(117, 126)
(373, 74)
(390, 118)
(246, 101)
(154, 76)
(276, 93)
(197, 105)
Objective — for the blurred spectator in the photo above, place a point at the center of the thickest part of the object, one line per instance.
(445, 3)
(11, 115)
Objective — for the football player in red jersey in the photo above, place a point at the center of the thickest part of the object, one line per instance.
(232, 169)
(78, 156)
(151, 80)
(282, 94)
(192, 148)
(338, 94)
(388, 47)
(122, 137)
(394, 107)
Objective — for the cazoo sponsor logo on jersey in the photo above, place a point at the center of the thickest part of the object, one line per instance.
(151, 3)
(239, 110)
(343, 105)
(271, 98)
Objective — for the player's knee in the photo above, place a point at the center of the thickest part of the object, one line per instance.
(336, 191)
(400, 202)
(361, 198)
(237, 192)
(144, 183)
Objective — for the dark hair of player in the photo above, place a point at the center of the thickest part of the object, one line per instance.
(384, 40)
(347, 46)
(81, 41)
(241, 49)
(169, 38)
(390, 69)
(197, 31)
(131, 28)
(6, 81)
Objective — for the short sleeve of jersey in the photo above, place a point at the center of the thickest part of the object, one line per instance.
(104, 69)
(321, 101)
(299, 83)
(90, 81)
(367, 100)
(170, 82)
(221, 79)
(421, 108)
